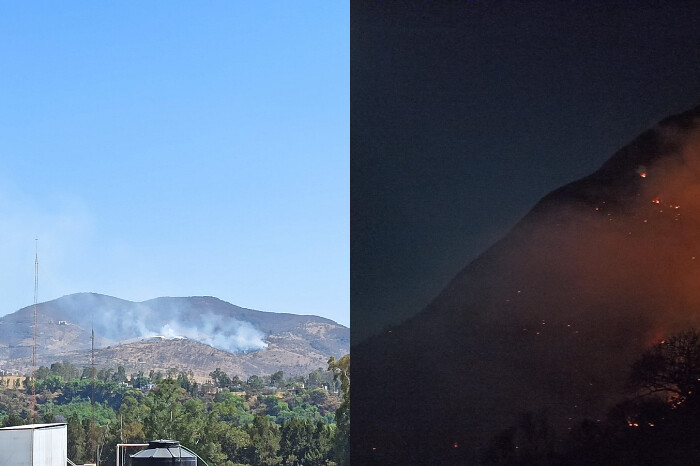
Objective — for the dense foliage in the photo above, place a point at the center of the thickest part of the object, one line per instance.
(264, 420)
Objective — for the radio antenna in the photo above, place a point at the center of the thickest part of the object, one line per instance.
(36, 297)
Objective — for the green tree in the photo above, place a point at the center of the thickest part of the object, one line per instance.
(53, 383)
(132, 413)
(13, 420)
(190, 426)
(341, 372)
(155, 376)
(184, 380)
(255, 382)
(120, 376)
(76, 440)
(220, 378)
(265, 442)
(65, 370)
(315, 379)
(42, 373)
(235, 441)
(304, 443)
(277, 379)
(165, 405)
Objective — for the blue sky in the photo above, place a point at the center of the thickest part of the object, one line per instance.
(176, 149)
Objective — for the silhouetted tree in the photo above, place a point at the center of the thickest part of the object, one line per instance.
(671, 368)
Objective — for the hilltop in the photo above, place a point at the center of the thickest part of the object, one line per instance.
(192, 333)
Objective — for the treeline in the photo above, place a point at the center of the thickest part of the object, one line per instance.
(659, 423)
(262, 420)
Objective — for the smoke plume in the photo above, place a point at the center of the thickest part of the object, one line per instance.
(552, 316)
(120, 320)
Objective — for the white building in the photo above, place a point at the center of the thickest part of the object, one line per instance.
(34, 445)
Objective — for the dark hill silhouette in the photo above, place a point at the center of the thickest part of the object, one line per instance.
(549, 318)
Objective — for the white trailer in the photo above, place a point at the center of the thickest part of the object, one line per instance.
(34, 445)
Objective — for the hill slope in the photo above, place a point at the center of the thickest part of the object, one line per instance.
(550, 317)
(216, 332)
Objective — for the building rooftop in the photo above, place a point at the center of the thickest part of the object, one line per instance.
(34, 426)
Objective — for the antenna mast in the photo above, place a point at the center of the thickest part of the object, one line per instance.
(36, 296)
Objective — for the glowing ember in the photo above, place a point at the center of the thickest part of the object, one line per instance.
(643, 174)
(656, 200)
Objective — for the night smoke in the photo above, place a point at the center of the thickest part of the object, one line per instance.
(552, 316)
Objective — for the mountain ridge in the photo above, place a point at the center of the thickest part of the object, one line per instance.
(551, 315)
(293, 343)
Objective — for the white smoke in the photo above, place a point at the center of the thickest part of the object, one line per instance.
(226, 334)
(120, 320)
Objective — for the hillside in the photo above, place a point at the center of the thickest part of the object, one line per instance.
(197, 333)
(550, 318)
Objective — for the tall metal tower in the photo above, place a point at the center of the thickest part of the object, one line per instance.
(36, 296)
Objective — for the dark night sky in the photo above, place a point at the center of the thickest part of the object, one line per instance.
(465, 113)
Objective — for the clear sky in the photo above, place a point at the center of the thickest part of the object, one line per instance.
(176, 149)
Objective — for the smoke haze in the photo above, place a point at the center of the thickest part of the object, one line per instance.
(120, 320)
(552, 316)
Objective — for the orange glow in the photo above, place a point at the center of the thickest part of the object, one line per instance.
(643, 174)
(456, 445)
(656, 200)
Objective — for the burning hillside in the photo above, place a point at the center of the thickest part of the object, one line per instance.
(551, 316)
(200, 331)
